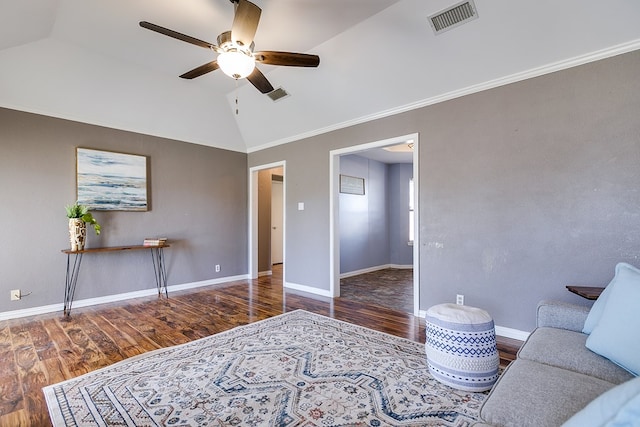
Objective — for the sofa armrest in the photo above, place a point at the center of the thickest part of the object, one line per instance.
(557, 314)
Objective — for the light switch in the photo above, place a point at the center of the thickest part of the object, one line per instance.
(300, 206)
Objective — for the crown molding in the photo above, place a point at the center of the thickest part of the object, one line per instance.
(502, 81)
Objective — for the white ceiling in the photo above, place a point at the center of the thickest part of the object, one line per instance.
(90, 61)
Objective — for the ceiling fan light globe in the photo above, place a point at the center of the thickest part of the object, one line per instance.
(235, 64)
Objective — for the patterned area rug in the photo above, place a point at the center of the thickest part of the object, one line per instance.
(296, 369)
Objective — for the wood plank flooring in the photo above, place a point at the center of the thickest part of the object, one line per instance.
(41, 350)
(394, 286)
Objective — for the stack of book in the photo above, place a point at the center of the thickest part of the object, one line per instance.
(155, 241)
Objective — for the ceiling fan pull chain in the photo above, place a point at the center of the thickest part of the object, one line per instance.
(236, 97)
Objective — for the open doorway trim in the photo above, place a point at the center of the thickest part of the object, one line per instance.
(253, 216)
(334, 229)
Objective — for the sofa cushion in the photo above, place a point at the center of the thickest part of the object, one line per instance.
(617, 334)
(623, 272)
(619, 406)
(531, 394)
(566, 349)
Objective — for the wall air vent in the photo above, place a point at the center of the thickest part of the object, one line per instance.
(277, 94)
(453, 16)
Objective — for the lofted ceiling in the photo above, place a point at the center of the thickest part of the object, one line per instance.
(89, 61)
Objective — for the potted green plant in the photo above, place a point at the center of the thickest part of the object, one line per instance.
(79, 216)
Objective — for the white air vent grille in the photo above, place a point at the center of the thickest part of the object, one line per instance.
(277, 94)
(454, 16)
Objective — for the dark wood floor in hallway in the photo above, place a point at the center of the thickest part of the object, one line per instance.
(46, 349)
(390, 287)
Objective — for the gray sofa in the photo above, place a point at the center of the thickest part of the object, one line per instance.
(554, 375)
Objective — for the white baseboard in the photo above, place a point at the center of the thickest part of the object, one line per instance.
(502, 331)
(14, 314)
(264, 273)
(207, 282)
(308, 289)
(363, 271)
(375, 268)
(401, 266)
(34, 311)
(512, 333)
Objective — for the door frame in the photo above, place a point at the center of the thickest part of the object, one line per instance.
(334, 217)
(253, 216)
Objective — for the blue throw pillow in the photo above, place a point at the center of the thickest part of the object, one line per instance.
(617, 334)
(618, 407)
(596, 309)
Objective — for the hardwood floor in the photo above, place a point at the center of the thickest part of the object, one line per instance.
(394, 286)
(41, 350)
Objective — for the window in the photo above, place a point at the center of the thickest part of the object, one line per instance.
(411, 221)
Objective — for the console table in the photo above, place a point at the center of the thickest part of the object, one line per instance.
(73, 268)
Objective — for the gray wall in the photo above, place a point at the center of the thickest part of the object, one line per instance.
(523, 189)
(198, 200)
(374, 227)
(364, 222)
(400, 253)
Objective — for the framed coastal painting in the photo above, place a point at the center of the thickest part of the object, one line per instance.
(111, 181)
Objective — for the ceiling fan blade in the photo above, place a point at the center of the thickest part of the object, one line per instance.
(289, 59)
(203, 69)
(176, 35)
(245, 22)
(260, 81)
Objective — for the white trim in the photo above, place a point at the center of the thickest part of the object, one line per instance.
(334, 218)
(516, 334)
(364, 271)
(7, 315)
(375, 144)
(502, 331)
(376, 268)
(307, 289)
(34, 311)
(401, 266)
(265, 273)
(416, 224)
(502, 81)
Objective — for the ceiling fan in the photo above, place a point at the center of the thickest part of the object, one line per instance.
(236, 56)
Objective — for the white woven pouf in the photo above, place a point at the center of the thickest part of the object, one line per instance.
(461, 347)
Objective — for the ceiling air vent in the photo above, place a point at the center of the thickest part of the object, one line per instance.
(277, 94)
(454, 16)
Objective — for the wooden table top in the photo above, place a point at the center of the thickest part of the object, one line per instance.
(588, 292)
(114, 248)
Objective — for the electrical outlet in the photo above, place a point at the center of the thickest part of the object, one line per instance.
(460, 299)
(16, 295)
(217, 268)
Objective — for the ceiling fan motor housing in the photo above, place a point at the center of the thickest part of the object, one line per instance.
(225, 43)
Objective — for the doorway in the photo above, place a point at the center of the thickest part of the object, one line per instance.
(261, 231)
(276, 219)
(335, 168)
